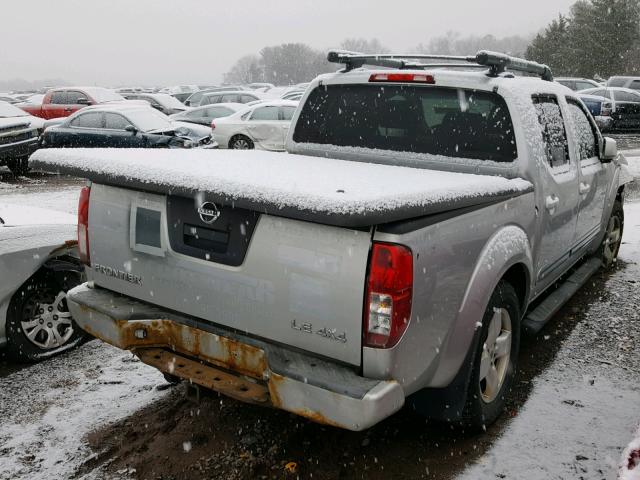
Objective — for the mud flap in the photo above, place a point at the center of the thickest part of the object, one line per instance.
(447, 404)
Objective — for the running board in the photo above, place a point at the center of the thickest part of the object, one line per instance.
(539, 316)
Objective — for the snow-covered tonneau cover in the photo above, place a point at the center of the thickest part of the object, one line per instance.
(322, 190)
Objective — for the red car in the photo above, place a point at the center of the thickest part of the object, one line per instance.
(62, 102)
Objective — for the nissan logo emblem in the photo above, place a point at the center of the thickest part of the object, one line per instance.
(208, 212)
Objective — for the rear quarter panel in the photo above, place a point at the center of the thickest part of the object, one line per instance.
(457, 264)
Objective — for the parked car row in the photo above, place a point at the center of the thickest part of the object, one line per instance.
(124, 126)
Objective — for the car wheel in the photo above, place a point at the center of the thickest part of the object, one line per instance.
(613, 236)
(19, 166)
(495, 359)
(39, 324)
(240, 142)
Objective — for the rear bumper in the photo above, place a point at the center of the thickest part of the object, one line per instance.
(236, 365)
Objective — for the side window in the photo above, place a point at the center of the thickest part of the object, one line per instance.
(229, 98)
(265, 113)
(583, 86)
(75, 98)
(626, 96)
(553, 131)
(584, 132)
(217, 112)
(88, 120)
(287, 113)
(247, 98)
(59, 98)
(114, 121)
(635, 85)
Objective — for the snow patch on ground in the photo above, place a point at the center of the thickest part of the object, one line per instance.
(43, 426)
(61, 200)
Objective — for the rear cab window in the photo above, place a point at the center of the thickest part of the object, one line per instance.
(451, 122)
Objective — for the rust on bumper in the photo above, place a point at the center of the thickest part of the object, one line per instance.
(205, 375)
(228, 365)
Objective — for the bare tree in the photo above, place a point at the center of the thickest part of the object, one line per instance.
(247, 69)
(362, 45)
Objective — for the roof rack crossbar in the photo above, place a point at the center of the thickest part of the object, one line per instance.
(496, 62)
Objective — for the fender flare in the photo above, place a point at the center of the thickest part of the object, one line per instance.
(507, 247)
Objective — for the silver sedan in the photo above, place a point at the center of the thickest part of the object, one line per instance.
(263, 126)
(38, 265)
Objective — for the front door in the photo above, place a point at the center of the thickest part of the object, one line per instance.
(592, 174)
(559, 189)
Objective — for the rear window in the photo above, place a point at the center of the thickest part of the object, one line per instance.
(433, 120)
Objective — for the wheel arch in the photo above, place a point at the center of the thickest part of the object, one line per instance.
(506, 255)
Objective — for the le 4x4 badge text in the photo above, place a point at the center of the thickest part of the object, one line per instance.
(330, 333)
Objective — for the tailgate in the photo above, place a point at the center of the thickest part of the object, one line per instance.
(289, 281)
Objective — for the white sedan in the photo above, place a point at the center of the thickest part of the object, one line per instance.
(263, 126)
(38, 265)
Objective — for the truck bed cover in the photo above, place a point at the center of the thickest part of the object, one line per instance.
(322, 190)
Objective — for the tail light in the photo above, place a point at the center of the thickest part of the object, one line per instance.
(403, 77)
(213, 126)
(389, 293)
(83, 226)
(605, 111)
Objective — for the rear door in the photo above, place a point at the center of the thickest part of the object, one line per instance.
(593, 176)
(559, 182)
(289, 281)
(286, 114)
(86, 131)
(265, 127)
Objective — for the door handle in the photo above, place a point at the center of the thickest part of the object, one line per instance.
(584, 188)
(551, 202)
(68, 109)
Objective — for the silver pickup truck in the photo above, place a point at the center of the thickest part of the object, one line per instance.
(423, 219)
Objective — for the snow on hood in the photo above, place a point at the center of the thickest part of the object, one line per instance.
(15, 121)
(319, 185)
(18, 215)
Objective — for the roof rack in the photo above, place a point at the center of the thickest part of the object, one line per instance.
(498, 63)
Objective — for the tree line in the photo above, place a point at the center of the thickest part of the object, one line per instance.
(597, 38)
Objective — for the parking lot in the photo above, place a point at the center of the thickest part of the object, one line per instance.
(96, 411)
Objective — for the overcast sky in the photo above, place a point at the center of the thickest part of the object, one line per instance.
(161, 42)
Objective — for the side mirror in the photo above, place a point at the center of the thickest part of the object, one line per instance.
(131, 129)
(83, 101)
(609, 150)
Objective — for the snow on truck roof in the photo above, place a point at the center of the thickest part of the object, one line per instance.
(330, 191)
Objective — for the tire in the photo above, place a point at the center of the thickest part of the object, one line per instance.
(39, 324)
(241, 142)
(19, 166)
(608, 251)
(487, 391)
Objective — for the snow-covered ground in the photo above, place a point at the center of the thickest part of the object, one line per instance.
(47, 409)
